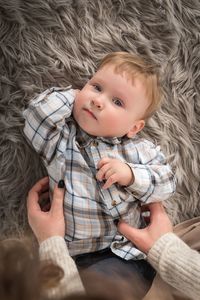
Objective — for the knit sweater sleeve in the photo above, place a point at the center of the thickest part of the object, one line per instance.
(177, 264)
(55, 249)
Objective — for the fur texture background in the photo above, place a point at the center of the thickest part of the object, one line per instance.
(47, 43)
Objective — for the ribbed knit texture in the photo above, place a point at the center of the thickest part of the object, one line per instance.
(55, 249)
(177, 264)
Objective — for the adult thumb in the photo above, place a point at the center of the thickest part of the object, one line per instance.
(128, 231)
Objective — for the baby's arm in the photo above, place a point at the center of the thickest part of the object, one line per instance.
(149, 181)
(113, 170)
(153, 177)
(45, 118)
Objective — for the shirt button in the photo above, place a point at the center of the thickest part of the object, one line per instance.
(95, 143)
(114, 202)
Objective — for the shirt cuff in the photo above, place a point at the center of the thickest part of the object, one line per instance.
(53, 244)
(155, 253)
(140, 180)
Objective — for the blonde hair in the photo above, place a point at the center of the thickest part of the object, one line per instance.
(135, 67)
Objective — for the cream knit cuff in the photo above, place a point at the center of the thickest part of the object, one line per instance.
(164, 242)
(52, 245)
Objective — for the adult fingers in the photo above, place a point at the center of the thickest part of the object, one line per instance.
(41, 185)
(156, 210)
(152, 211)
(33, 195)
(58, 198)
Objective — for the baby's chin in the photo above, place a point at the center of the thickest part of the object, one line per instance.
(91, 132)
(87, 130)
(94, 133)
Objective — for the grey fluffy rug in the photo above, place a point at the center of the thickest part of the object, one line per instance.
(47, 43)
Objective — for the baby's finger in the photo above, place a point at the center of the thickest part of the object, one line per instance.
(112, 179)
(102, 162)
(109, 173)
(101, 173)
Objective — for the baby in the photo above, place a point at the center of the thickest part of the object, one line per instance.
(89, 139)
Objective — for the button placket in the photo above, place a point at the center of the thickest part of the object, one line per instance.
(95, 149)
(110, 196)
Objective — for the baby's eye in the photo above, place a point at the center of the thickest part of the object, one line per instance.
(97, 87)
(117, 102)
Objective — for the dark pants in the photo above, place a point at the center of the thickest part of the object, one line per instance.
(112, 266)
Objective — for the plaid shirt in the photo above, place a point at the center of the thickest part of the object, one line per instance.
(73, 155)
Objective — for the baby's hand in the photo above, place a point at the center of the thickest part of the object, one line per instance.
(113, 170)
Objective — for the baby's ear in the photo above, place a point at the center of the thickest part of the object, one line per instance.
(138, 125)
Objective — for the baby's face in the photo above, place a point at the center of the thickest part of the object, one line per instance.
(110, 105)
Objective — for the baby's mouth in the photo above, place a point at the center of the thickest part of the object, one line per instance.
(90, 113)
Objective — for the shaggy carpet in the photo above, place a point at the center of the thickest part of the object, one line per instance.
(47, 43)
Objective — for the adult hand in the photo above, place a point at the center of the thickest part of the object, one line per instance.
(146, 237)
(49, 223)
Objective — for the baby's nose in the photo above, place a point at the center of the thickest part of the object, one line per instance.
(98, 102)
